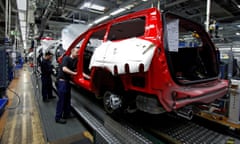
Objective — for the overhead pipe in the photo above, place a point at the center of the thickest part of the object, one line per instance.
(208, 14)
(158, 4)
(9, 17)
(45, 17)
(230, 63)
(6, 19)
(47, 9)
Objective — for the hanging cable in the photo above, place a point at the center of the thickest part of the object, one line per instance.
(18, 98)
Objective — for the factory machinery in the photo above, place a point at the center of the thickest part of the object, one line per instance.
(141, 127)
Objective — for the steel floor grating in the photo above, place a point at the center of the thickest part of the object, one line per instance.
(52, 130)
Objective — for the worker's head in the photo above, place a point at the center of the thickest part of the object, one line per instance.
(48, 55)
(74, 52)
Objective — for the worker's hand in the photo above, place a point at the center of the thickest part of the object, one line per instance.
(74, 73)
(54, 71)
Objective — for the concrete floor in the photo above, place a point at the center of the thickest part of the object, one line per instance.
(22, 122)
(27, 120)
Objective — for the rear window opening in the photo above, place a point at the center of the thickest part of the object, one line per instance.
(134, 27)
(191, 55)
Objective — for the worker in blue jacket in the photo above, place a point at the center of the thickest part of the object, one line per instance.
(46, 71)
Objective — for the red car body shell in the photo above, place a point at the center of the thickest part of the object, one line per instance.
(158, 80)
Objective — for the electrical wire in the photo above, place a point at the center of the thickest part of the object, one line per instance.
(18, 102)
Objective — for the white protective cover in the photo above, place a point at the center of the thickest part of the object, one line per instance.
(70, 33)
(133, 51)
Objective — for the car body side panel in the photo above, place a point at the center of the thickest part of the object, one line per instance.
(133, 52)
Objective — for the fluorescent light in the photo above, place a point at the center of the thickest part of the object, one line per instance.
(23, 24)
(101, 19)
(238, 33)
(22, 8)
(22, 16)
(227, 49)
(91, 24)
(85, 5)
(22, 5)
(24, 44)
(129, 6)
(117, 11)
(97, 7)
(220, 28)
(93, 6)
(23, 30)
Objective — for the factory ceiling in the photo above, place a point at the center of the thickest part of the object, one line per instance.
(51, 16)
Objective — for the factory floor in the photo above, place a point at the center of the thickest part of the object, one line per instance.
(26, 119)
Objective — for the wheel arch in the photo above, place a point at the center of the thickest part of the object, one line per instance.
(102, 79)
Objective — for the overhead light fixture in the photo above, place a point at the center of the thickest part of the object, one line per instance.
(22, 8)
(22, 5)
(220, 28)
(117, 11)
(91, 24)
(236, 3)
(237, 33)
(23, 24)
(85, 5)
(130, 6)
(89, 5)
(22, 16)
(97, 7)
(101, 19)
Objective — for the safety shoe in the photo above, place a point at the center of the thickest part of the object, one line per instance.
(68, 116)
(52, 97)
(61, 121)
(45, 100)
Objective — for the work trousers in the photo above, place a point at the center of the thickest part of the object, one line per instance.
(64, 99)
(46, 87)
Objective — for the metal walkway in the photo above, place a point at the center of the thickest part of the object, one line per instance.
(141, 128)
(188, 132)
(54, 132)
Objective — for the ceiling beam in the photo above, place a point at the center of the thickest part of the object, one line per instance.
(222, 8)
(73, 9)
(229, 19)
(174, 3)
(58, 24)
(1, 6)
(2, 30)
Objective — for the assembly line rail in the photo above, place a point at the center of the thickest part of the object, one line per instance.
(141, 128)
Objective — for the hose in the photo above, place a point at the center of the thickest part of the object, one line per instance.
(18, 102)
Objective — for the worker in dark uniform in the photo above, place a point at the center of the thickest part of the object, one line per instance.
(46, 71)
(66, 70)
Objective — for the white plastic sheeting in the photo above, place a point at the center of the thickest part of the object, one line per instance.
(45, 44)
(132, 51)
(70, 33)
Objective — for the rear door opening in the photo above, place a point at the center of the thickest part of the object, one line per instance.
(191, 54)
